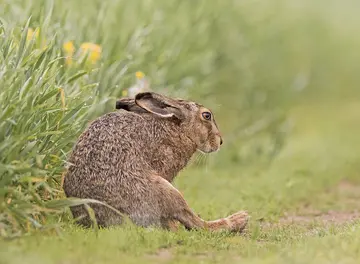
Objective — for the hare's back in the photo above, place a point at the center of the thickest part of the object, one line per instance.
(110, 141)
(105, 159)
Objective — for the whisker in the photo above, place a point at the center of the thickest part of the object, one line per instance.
(200, 158)
(193, 160)
(203, 157)
(196, 159)
(207, 162)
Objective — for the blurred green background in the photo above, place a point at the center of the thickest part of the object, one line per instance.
(249, 61)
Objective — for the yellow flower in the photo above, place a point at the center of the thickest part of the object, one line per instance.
(69, 50)
(139, 75)
(35, 34)
(124, 93)
(31, 33)
(141, 85)
(93, 51)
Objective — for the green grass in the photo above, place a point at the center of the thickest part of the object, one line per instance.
(46, 103)
(318, 155)
(281, 76)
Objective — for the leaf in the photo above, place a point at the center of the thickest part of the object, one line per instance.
(47, 96)
(71, 113)
(40, 59)
(24, 89)
(8, 48)
(22, 43)
(69, 202)
(32, 179)
(47, 133)
(92, 218)
(55, 60)
(76, 76)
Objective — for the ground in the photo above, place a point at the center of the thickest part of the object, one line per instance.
(304, 207)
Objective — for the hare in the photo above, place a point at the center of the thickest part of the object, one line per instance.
(128, 159)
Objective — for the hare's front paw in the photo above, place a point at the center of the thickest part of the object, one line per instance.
(238, 221)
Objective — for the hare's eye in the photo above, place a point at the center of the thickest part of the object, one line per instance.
(206, 115)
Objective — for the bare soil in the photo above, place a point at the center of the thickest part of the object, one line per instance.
(162, 255)
(347, 196)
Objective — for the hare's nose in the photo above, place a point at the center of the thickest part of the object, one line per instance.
(221, 141)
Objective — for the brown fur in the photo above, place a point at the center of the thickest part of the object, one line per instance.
(129, 158)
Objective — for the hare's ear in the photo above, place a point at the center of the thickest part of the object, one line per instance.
(159, 105)
(129, 105)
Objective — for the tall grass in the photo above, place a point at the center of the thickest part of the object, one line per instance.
(245, 59)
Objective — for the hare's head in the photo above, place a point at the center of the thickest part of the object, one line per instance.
(195, 121)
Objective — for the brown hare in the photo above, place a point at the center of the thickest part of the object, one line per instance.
(128, 159)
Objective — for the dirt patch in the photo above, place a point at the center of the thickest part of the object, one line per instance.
(329, 217)
(162, 255)
(347, 204)
(348, 189)
(165, 255)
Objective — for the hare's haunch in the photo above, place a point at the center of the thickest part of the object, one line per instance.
(128, 159)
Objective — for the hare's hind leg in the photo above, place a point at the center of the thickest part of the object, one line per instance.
(175, 208)
(171, 225)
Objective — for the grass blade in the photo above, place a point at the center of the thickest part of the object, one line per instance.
(76, 76)
(22, 43)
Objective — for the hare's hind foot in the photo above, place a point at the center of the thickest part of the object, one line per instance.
(233, 223)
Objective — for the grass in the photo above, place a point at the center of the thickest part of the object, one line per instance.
(318, 156)
(51, 87)
(281, 76)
